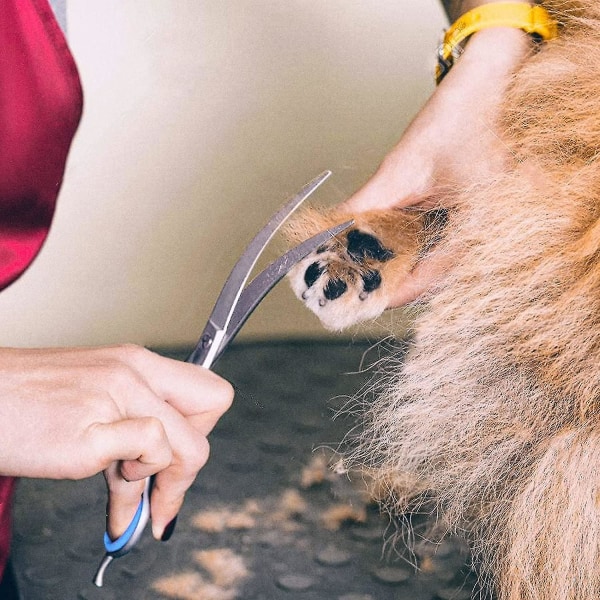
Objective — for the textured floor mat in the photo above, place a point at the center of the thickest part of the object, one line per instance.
(267, 518)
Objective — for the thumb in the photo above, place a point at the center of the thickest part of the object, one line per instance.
(123, 501)
(133, 449)
(425, 274)
(410, 289)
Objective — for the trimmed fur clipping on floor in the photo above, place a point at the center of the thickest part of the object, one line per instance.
(492, 420)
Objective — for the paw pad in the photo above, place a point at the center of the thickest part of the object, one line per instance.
(312, 273)
(341, 268)
(363, 246)
(371, 281)
(334, 289)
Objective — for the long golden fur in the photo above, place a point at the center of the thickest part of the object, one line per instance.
(494, 415)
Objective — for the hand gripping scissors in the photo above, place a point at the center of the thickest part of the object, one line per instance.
(233, 307)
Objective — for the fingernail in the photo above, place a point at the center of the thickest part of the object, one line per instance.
(168, 531)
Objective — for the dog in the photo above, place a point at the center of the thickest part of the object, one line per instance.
(492, 419)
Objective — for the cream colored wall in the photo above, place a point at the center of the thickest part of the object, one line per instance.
(201, 117)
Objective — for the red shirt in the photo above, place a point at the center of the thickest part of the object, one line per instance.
(40, 108)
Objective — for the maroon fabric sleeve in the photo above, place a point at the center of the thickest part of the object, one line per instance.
(40, 108)
(7, 485)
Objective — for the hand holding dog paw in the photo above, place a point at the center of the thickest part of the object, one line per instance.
(451, 144)
(383, 262)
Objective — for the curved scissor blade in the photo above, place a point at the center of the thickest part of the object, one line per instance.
(264, 282)
(218, 321)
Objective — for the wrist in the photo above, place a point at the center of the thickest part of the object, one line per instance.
(497, 48)
(521, 15)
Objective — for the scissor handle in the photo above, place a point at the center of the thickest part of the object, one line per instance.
(125, 543)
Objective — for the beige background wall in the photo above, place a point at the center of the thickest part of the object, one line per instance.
(201, 117)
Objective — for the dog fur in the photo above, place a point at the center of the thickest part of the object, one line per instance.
(492, 420)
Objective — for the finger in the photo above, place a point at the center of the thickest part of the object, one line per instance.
(189, 447)
(195, 398)
(123, 501)
(138, 402)
(192, 390)
(410, 289)
(170, 487)
(141, 444)
(131, 450)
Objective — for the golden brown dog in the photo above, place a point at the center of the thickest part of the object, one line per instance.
(494, 415)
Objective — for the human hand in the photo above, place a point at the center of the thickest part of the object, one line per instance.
(451, 143)
(69, 414)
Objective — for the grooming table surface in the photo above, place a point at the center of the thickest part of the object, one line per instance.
(266, 518)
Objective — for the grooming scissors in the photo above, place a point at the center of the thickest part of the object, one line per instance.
(233, 307)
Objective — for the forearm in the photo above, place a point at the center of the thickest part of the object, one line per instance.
(452, 139)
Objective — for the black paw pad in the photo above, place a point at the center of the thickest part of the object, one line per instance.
(313, 272)
(371, 281)
(334, 288)
(364, 245)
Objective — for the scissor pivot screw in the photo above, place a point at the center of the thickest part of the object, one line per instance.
(206, 341)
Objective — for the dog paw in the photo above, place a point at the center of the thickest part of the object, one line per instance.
(348, 279)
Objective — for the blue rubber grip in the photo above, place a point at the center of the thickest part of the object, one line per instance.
(120, 542)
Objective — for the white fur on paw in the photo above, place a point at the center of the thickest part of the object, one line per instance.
(341, 301)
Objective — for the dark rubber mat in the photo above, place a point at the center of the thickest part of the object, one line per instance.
(267, 518)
